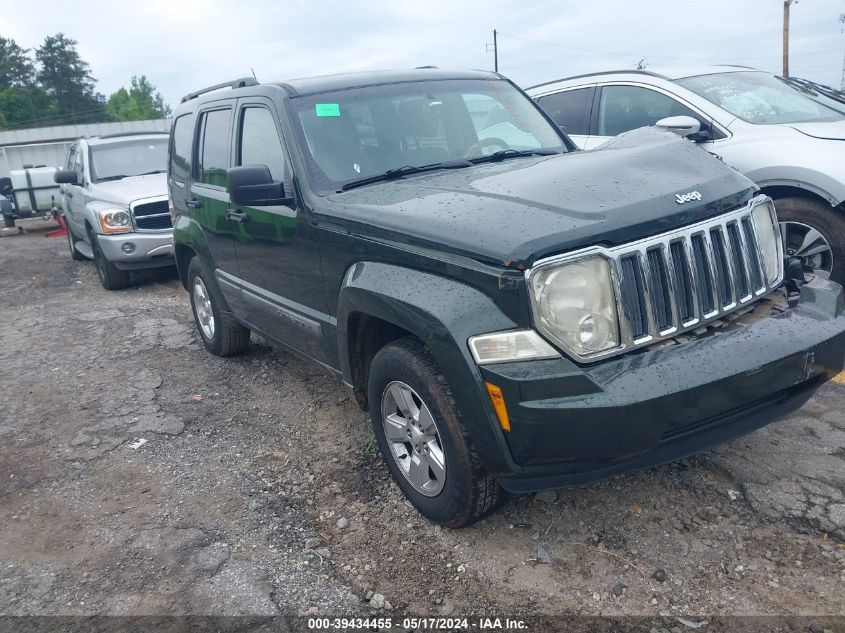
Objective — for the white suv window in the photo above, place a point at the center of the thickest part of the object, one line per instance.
(623, 108)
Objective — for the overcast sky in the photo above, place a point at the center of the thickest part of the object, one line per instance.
(182, 45)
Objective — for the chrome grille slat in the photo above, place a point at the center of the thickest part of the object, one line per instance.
(682, 276)
(724, 272)
(755, 256)
(742, 276)
(683, 279)
(705, 274)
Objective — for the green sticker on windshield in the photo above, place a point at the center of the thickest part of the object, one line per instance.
(327, 109)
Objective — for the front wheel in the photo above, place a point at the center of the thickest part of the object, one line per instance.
(75, 255)
(422, 439)
(221, 334)
(8, 221)
(815, 233)
(112, 277)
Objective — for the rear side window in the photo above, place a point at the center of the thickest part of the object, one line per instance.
(180, 148)
(260, 143)
(570, 109)
(214, 147)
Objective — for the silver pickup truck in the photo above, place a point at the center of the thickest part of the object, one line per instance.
(114, 202)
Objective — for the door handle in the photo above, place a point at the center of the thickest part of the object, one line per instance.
(237, 216)
(193, 203)
(68, 195)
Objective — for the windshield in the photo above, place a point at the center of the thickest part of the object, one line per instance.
(827, 96)
(758, 97)
(358, 133)
(113, 161)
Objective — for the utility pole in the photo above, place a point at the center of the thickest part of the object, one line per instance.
(495, 50)
(842, 19)
(786, 5)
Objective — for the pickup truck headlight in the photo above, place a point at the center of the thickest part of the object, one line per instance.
(768, 236)
(575, 305)
(115, 221)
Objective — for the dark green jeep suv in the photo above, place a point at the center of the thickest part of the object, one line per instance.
(514, 314)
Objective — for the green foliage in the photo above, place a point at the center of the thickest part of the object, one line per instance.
(16, 68)
(67, 79)
(141, 101)
(370, 446)
(54, 86)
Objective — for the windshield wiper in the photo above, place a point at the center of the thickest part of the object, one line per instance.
(502, 154)
(407, 170)
(154, 171)
(116, 177)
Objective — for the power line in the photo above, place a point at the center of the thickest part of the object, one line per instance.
(640, 55)
(55, 119)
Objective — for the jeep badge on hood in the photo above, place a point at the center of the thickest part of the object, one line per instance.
(683, 198)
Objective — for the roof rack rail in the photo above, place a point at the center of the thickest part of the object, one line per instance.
(236, 83)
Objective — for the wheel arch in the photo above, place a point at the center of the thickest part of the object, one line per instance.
(793, 190)
(189, 241)
(380, 302)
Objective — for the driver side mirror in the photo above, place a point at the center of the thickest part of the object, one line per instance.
(253, 186)
(680, 125)
(66, 177)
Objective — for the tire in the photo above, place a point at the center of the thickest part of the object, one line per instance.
(225, 336)
(75, 255)
(460, 492)
(9, 221)
(800, 214)
(110, 275)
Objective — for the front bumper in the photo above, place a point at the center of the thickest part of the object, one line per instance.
(572, 425)
(151, 250)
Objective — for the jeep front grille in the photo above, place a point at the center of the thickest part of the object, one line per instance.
(152, 216)
(683, 279)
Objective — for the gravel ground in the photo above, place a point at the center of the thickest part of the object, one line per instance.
(141, 475)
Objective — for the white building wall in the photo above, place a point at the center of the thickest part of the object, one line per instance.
(49, 145)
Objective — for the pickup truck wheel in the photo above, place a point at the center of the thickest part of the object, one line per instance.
(110, 275)
(75, 255)
(421, 437)
(814, 232)
(9, 221)
(220, 333)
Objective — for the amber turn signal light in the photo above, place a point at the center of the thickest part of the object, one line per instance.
(499, 407)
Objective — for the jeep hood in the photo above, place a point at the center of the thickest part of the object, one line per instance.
(828, 130)
(128, 190)
(514, 212)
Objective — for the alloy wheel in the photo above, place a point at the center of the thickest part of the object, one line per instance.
(413, 438)
(202, 306)
(808, 244)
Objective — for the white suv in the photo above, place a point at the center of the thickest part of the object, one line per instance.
(772, 130)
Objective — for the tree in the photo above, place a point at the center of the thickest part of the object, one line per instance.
(140, 102)
(67, 80)
(16, 68)
(22, 101)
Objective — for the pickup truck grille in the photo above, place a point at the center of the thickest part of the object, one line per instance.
(683, 279)
(152, 216)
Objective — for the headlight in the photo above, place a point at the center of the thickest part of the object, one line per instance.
(114, 221)
(575, 305)
(769, 240)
